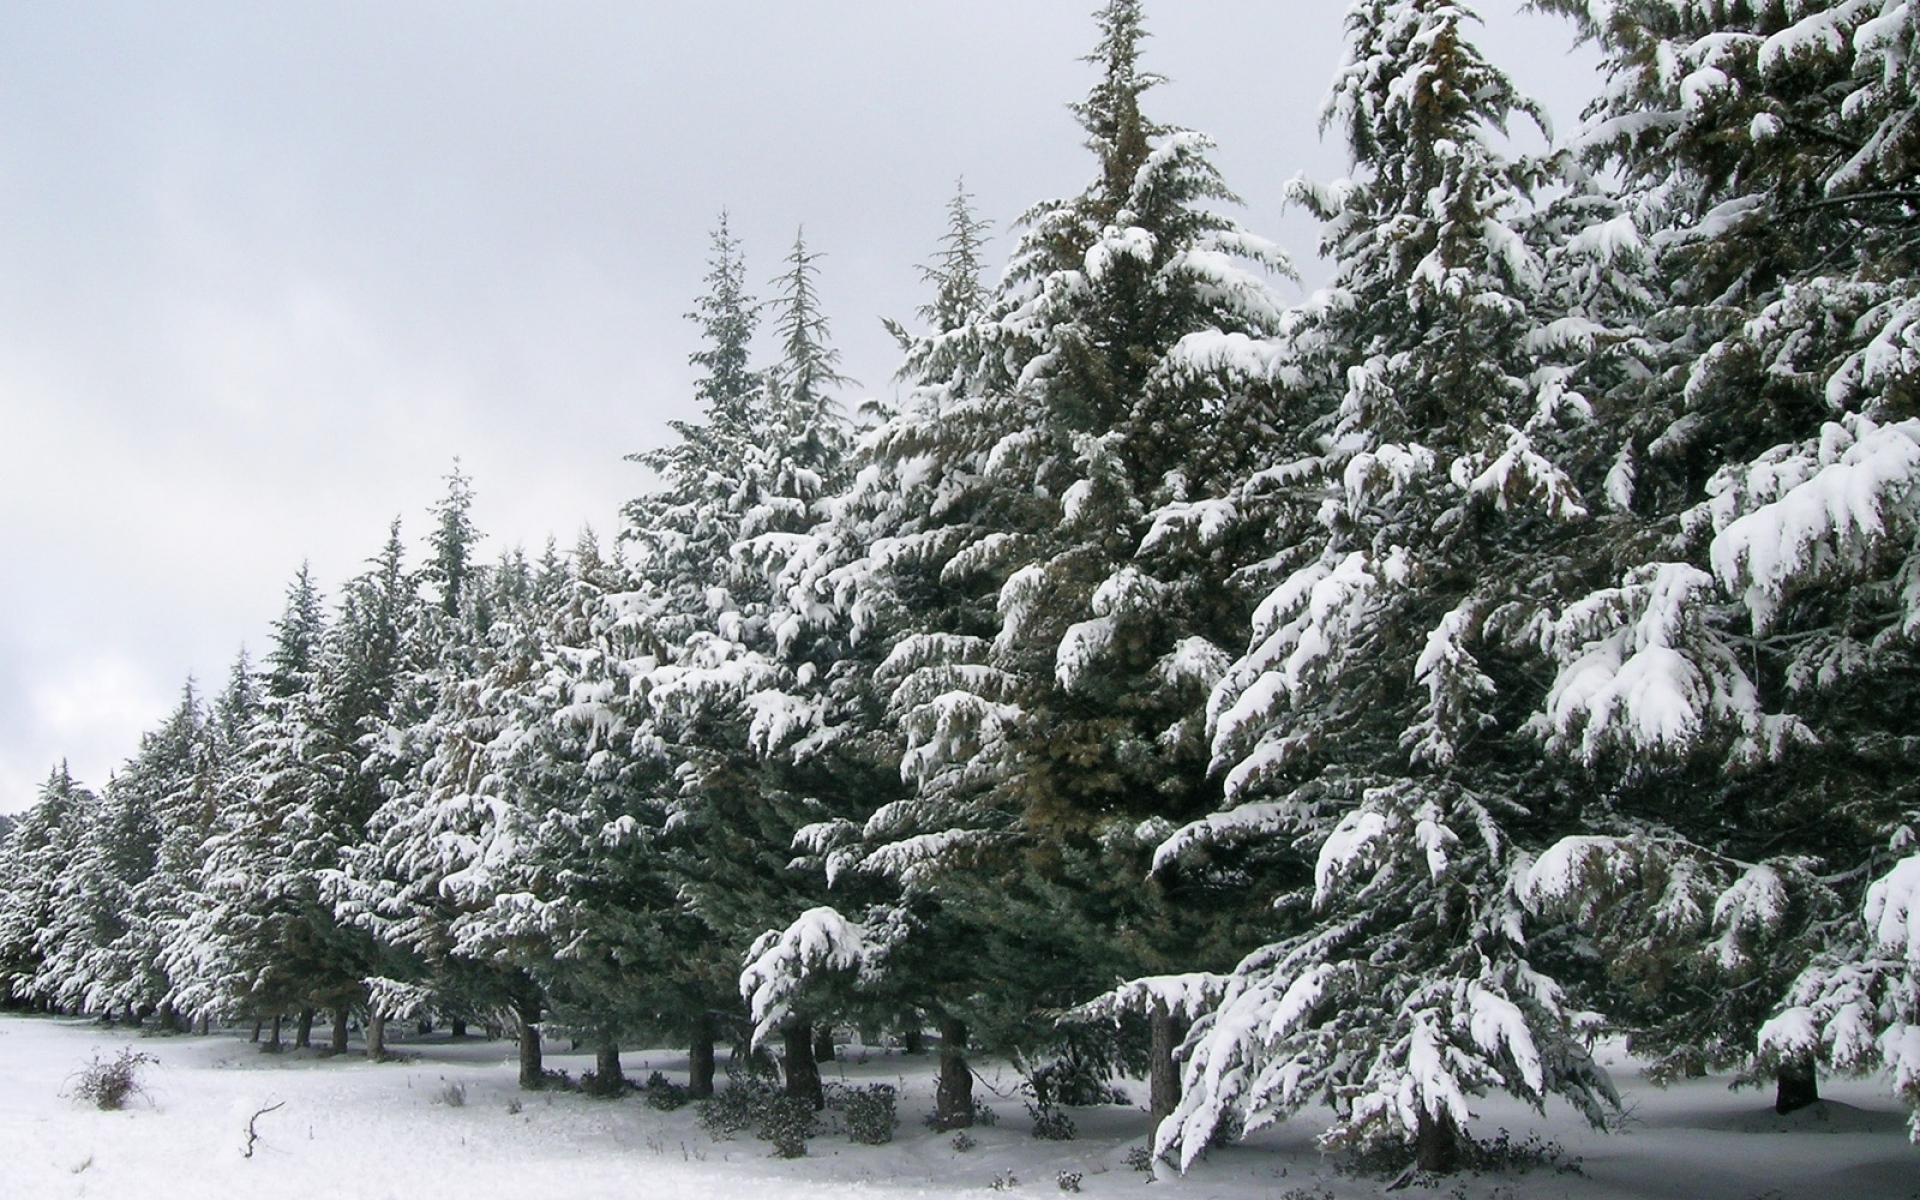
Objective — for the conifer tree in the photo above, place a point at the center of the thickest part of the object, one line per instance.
(1378, 723)
(736, 502)
(1029, 664)
(438, 878)
(48, 838)
(242, 951)
(1772, 467)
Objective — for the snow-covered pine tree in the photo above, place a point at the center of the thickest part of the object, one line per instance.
(370, 650)
(1042, 654)
(172, 779)
(580, 757)
(89, 945)
(437, 647)
(452, 543)
(870, 572)
(239, 953)
(49, 836)
(738, 496)
(1775, 469)
(1377, 726)
(440, 877)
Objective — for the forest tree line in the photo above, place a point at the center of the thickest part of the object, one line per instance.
(1369, 699)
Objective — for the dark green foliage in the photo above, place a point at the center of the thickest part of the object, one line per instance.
(787, 1122)
(664, 1094)
(870, 1115)
(1050, 1124)
(737, 1106)
(983, 1116)
(1501, 1154)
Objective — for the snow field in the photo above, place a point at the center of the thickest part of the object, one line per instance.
(352, 1129)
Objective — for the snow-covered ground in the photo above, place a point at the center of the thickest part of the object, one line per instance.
(348, 1128)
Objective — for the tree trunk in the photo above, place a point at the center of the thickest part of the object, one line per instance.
(1163, 1074)
(169, 1020)
(912, 1041)
(803, 1074)
(376, 1037)
(273, 1044)
(608, 1078)
(205, 1025)
(340, 1030)
(953, 1099)
(256, 1030)
(303, 1032)
(1436, 1143)
(532, 1075)
(823, 1043)
(700, 1058)
(456, 1027)
(1795, 1087)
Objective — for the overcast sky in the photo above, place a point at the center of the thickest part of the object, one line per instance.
(266, 269)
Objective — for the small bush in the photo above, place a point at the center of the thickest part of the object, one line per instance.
(1502, 1154)
(453, 1095)
(611, 1088)
(735, 1107)
(108, 1085)
(1004, 1183)
(1394, 1157)
(787, 1122)
(666, 1095)
(1075, 1083)
(983, 1116)
(1069, 1181)
(513, 1107)
(1140, 1158)
(964, 1141)
(1050, 1124)
(870, 1115)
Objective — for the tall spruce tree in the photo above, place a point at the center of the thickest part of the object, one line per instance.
(50, 836)
(1035, 668)
(736, 502)
(1774, 473)
(1378, 724)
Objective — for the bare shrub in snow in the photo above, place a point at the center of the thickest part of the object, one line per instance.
(109, 1085)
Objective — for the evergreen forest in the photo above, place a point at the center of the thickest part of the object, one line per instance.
(1364, 700)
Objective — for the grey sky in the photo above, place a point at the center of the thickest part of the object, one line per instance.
(266, 269)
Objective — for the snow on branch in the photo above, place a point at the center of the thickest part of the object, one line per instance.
(1183, 997)
(1641, 668)
(780, 962)
(1518, 474)
(396, 1000)
(1861, 490)
(1246, 823)
(1892, 911)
